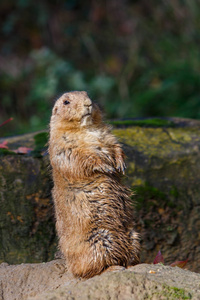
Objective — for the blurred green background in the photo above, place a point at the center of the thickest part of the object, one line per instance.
(135, 58)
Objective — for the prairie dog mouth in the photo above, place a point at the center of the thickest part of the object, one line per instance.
(88, 114)
(86, 119)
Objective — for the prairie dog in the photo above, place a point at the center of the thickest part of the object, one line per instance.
(93, 208)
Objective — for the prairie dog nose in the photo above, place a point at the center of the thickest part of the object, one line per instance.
(89, 108)
(87, 102)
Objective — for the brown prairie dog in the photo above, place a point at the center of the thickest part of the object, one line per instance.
(93, 209)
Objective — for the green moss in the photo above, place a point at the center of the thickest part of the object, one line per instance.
(175, 293)
(158, 142)
(6, 152)
(153, 122)
(174, 192)
(149, 195)
(170, 228)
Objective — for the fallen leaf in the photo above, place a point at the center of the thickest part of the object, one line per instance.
(161, 211)
(159, 258)
(4, 145)
(180, 263)
(152, 272)
(5, 122)
(22, 150)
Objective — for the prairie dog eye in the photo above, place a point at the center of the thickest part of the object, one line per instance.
(66, 102)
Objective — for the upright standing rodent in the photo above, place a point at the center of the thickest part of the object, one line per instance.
(93, 209)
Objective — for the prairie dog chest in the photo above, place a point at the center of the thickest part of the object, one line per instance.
(94, 135)
(87, 138)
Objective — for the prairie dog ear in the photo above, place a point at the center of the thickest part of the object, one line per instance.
(55, 110)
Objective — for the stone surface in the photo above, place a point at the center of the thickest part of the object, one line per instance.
(51, 281)
(27, 232)
(163, 171)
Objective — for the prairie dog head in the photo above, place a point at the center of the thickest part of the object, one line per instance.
(77, 108)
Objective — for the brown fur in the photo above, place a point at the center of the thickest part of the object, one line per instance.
(93, 209)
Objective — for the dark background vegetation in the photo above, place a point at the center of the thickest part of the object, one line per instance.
(135, 58)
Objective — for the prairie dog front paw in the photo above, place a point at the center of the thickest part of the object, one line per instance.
(119, 158)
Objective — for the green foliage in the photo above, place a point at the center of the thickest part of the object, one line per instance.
(176, 92)
(41, 140)
(143, 62)
(48, 77)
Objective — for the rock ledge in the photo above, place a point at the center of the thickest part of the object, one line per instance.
(51, 281)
